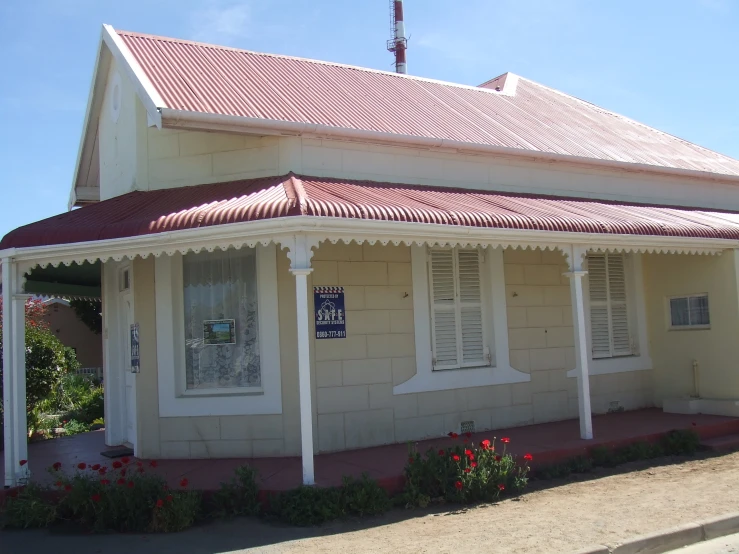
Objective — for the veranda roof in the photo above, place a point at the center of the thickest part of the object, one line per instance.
(146, 213)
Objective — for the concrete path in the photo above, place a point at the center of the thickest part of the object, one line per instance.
(722, 545)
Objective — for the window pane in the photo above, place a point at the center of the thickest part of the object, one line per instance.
(699, 310)
(679, 312)
(221, 286)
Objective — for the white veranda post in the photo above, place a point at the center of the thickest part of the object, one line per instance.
(582, 355)
(300, 255)
(14, 375)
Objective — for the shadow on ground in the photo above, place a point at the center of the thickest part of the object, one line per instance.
(243, 534)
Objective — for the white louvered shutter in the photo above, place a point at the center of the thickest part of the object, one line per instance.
(470, 307)
(458, 330)
(609, 318)
(444, 313)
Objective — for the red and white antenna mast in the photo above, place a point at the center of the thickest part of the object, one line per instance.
(399, 43)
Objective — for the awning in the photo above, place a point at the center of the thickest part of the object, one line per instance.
(145, 213)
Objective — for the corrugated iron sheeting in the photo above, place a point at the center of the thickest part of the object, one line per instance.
(144, 213)
(211, 79)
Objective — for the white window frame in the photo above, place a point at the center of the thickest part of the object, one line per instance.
(457, 308)
(499, 372)
(689, 327)
(640, 360)
(174, 397)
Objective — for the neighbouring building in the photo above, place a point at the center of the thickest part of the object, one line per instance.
(299, 256)
(72, 332)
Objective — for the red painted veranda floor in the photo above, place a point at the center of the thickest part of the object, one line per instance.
(547, 442)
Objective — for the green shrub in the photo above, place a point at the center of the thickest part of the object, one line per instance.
(125, 498)
(464, 473)
(363, 497)
(75, 397)
(680, 442)
(307, 506)
(175, 511)
(239, 497)
(28, 508)
(74, 427)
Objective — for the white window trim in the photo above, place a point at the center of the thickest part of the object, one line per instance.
(638, 323)
(668, 312)
(500, 372)
(174, 398)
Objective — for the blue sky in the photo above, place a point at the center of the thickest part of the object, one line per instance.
(668, 63)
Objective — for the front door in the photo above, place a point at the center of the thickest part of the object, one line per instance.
(129, 379)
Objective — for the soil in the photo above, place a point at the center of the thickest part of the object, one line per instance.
(603, 507)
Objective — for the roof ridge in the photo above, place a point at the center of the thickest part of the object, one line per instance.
(310, 60)
(620, 116)
(295, 192)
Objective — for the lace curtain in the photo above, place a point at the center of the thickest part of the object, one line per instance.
(221, 285)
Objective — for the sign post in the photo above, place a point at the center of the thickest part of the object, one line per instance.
(330, 313)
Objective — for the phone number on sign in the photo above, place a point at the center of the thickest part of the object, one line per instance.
(331, 334)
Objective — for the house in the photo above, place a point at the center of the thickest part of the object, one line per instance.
(300, 256)
(72, 332)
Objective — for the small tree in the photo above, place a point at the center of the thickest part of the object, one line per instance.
(47, 359)
(90, 312)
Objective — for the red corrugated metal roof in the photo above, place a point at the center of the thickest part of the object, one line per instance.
(143, 213)
(218, 80)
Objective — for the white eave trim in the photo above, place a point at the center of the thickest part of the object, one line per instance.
(144, 87)
(181, 119)
(283, 231)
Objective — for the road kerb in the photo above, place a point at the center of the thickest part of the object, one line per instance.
(674, 538)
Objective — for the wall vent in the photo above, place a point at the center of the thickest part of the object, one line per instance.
(467, 427)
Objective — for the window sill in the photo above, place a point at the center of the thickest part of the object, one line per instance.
(449, 379)
(690, 328)
(621, 364)
(215, 392)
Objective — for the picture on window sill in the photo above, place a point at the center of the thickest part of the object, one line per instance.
(219, 331)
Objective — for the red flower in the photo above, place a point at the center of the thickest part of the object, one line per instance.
(471, 457)
(441, 452)
(58, 484)
(153, 463)
(694, 424)
(123, 472)
(57, 466)
(160, 503)
(130, 484)
(505, 440)
(498, 458)
(117, 465)
(141, 470)
(169, 498)
(81, 465)
(528, 457)
(501, 487)
(453, 435)
(96, 467)
(467, 470)
(104, 482)
(468, 434)
(410, 460)
(121, 481)
(95, 498)
(485, 444)
(23, 462)
(473, 464)
(459, 485)
(139, 463)
(184, 482)
(468, 452)
(125, 459)
(103, 470)
(67, 488)
(455, 458)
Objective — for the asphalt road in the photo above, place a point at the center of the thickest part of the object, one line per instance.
(723, 545)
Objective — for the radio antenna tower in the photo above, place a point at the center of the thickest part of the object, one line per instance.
(399, 43)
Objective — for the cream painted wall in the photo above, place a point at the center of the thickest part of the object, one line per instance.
(184, 158)
(122, 142)
(715, 349)
(353, 378)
